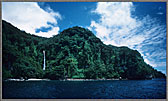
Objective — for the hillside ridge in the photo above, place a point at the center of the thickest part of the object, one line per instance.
(74, 53)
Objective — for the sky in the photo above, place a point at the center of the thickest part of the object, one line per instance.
(138, 25)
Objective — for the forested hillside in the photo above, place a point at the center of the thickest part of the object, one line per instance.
(74, 53)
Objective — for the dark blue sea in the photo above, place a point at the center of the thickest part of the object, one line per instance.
(114, 89)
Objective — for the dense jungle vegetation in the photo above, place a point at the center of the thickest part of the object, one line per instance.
(73, 53)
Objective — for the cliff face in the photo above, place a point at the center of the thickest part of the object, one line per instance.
(74, 53)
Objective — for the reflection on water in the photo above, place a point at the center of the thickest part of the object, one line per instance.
(116, 89)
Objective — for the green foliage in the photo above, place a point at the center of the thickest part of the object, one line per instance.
(56, 72)
(74, 53)
(6, 74)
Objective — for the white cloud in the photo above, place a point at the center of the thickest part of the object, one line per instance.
(113, 14)
(28, 16)
(118, 27)
(149, 62)
(116, 23)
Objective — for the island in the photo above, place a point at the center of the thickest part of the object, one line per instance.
(74, 54)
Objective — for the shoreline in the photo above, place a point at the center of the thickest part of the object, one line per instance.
(89, 79)
(31, 79)
(68, 79)
(34, 79)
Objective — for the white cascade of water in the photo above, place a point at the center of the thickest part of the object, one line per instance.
(44, 61)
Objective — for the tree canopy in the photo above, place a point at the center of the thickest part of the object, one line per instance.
(73, 53)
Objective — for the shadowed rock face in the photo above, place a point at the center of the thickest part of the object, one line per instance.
(74, 53)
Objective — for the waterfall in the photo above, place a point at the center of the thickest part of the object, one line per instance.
(44, 61)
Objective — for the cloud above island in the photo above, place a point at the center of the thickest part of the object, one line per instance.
(118, 26)
(28, 16)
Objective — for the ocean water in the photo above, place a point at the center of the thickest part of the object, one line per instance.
(114, 89)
